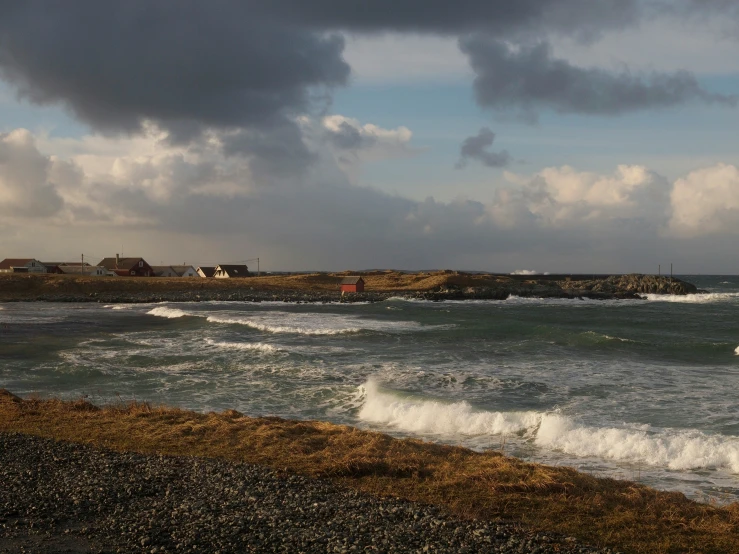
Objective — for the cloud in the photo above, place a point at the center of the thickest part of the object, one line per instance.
(527, 79)
(563, 197)
(189, 68)
(706, 202)
(199, 204)
(25, 186)
(475, 148)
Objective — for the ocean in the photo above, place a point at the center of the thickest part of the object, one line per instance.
(641, 390)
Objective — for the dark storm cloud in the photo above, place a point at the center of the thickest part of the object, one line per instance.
(530, 78)
(476, 148)
(186, 65)
(582, 17)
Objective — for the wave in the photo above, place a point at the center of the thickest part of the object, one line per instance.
(674, 449)
(314, 323)
(169, 313)
(271, 328)
(702, 298)
(603, 336)
(253, 346)
(434, 417)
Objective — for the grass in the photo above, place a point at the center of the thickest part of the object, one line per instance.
(20, 286)
(623, 515)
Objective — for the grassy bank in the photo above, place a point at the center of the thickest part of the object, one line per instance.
(605, 512)
(16, 286)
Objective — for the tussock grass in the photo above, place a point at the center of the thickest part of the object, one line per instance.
(23, 286)
(620, 514)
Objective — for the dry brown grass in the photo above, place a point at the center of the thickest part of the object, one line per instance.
(19, 286)
(623, 515)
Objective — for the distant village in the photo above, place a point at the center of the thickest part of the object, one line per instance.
(122, 267)
(139, 267)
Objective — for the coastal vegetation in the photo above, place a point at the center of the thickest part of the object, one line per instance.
(437, 285)
(623, 515)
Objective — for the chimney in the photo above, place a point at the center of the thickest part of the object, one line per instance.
(117, 260)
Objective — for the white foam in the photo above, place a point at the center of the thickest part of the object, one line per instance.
(433, 417)
(272, 328)
(702, 298)
(736, 351)
(312, 323)
(674, 449)
(252, 346)
(170, 313)
(677, 450)
(607, 337)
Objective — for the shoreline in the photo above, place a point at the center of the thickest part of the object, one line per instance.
(485, 486)
(322, 288)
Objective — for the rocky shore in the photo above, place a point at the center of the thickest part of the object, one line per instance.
(64, 497)
(554, 286)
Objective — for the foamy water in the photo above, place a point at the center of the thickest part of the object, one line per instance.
(673, 449)
(604, 386)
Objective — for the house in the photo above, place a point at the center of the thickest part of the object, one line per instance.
(21, 265)
(231, 271)
(79, 269)
(206, 271)
(53, 267)
(352, 283)
(185, 271)
(127, 267)
(164, 271)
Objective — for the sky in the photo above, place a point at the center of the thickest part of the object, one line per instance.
(591, 136)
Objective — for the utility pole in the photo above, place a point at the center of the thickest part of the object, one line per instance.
(670, 277)
(82, 267)
(659, 270)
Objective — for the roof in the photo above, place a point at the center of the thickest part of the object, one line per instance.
(207, 270)
(351, 280)
(123, 263)
(234, 270)
(7, 263)
(53, 264)
(157, 269)
(181, 269)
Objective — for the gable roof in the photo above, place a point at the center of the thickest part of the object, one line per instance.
(123, 263)
(234, 270)
(207, 270)
(7, 263)
(158, 269)
(351, 280)
(181, 269)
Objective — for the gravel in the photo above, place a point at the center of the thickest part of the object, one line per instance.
(63, 497)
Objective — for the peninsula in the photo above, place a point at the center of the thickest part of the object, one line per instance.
(324, 287)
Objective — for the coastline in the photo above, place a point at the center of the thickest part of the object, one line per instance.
(323, 288)
(487, 486)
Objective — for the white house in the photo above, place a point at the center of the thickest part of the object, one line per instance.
(231, 271)
(21, 265)
(164, 271)
(86, 270)
(185, 271)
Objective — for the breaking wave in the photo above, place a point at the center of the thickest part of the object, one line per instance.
(252, 346)
(272, 328)
(702, 298)
(673, 449)
(169, 313)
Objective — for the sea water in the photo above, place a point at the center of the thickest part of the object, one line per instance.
(634, 389)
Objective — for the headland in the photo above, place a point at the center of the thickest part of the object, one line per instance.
(324, 287)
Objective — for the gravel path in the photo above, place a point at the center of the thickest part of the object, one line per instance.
(62, 497)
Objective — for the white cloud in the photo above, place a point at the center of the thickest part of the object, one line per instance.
(566, 197)
(706, 201)
(25, 189)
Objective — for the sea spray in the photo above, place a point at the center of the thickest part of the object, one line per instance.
(435, 417)
(170, 313)
(674, 449)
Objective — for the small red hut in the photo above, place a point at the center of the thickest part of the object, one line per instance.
(352, 284)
